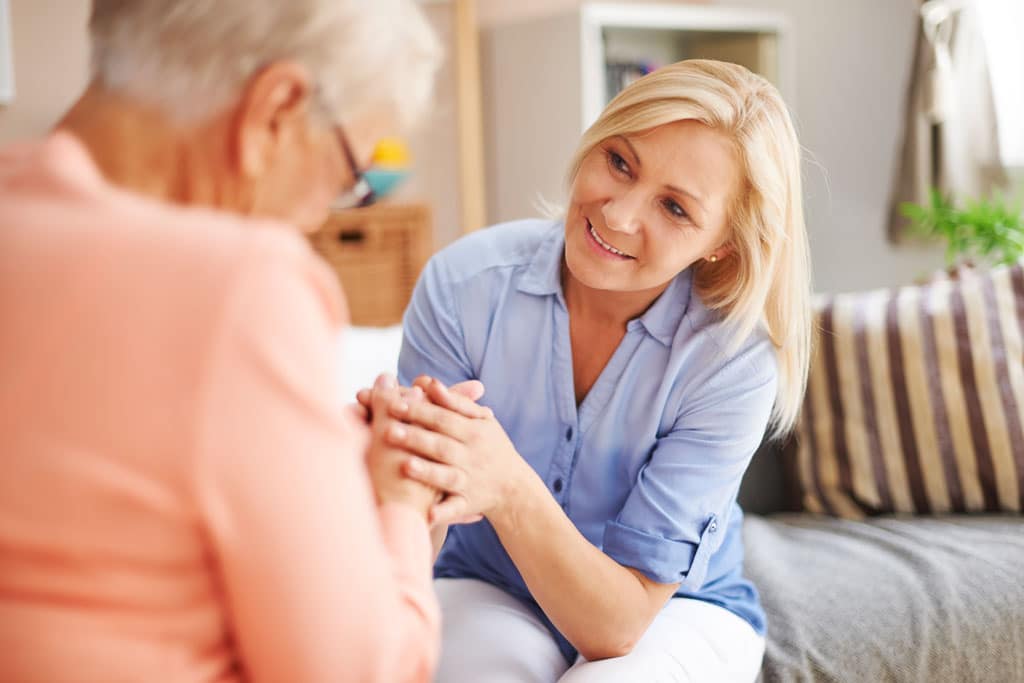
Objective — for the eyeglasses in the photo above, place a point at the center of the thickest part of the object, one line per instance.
(360, 194)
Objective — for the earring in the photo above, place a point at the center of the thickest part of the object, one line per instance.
(713, 258)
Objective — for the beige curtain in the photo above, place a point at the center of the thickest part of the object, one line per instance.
(950, 139)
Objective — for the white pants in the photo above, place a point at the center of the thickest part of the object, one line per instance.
(491, 637)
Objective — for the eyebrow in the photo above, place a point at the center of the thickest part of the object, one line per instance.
(632, 149)
(687, 193)
(670, 188)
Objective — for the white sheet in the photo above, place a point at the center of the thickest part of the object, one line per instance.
(365, 353)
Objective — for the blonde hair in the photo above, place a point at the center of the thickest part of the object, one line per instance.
(189, 58)
(766, 280)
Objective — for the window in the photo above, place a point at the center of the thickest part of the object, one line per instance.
(1000, 25)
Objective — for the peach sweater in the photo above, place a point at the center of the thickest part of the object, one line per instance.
(183, 497)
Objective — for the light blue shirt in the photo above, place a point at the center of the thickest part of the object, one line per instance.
(649, 465)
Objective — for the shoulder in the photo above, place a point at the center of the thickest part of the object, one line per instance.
(231, 248)
(713, 352)
(500, 248)
(209, 267)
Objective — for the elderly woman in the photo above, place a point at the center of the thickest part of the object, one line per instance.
(184, 497)
(634, 352)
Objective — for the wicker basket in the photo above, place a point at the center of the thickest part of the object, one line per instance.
(377, 252)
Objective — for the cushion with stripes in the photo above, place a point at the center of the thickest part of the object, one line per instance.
(915, 400)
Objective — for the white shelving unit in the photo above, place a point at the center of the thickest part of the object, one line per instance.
(546, 80)
(6, 55)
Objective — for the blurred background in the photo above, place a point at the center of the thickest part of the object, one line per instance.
(523, 78)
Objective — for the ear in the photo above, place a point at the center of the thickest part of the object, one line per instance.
(276, 99)
(720, 254)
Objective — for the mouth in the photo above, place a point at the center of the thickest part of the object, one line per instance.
(596, 241)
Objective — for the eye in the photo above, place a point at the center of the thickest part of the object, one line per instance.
(618, 163)
(674, 209)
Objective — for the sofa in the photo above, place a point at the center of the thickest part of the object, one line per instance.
(886, 538)
(900, 598)
(873, 564)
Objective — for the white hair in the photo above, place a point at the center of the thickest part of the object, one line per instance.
(190, 58)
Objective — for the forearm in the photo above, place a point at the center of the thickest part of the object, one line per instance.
(416, 623)
(438, 534)
(600, 606)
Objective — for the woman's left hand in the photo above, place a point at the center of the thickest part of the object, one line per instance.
(462, 449)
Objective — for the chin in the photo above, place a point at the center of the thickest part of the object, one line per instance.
(590, 274)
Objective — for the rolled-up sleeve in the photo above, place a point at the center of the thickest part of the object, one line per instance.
(677, 513)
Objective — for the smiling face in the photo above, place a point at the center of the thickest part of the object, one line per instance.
(644, 207)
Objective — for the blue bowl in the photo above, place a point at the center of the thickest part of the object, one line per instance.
(385, 180)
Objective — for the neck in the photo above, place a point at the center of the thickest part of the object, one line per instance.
(141, 150)
(603, 306)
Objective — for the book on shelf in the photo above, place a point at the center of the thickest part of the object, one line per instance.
(619, 74)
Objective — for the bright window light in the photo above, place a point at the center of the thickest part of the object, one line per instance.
(1001, 22)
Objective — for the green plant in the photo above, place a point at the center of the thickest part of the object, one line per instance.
(989, 230)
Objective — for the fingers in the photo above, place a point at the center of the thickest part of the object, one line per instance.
(451, 399)
(441, 477)
(433, 417)
(452, 510)
(472, 389)
(418, 441)
(359, 411)
(386, 392)
(364, 397)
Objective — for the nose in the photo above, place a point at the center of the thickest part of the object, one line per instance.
(623, 214)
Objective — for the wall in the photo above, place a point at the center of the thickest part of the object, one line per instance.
(492, 12)
(852, 65)
(51, 52)
(50, 64)
(434, 142)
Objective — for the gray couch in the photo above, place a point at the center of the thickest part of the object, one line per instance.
(915, 599)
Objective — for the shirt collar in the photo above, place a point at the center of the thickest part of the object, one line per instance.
(662, 319)
(543, 277)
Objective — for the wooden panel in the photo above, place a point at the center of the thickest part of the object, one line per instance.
(378, 253)
(471, 150)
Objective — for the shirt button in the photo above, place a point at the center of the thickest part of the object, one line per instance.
(568, 434)
(713, 527)
(558, 485)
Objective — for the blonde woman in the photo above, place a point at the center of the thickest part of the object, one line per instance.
(184, 496)
(634, 353)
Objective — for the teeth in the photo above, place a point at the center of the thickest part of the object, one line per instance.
(590, 226)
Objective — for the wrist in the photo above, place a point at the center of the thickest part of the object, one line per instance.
(521, 495)
(407, 493)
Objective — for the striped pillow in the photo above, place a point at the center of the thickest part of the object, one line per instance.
(915, 402)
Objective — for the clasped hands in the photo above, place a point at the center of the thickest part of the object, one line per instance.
(435, 448)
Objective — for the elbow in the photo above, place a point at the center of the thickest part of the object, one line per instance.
(617, 642)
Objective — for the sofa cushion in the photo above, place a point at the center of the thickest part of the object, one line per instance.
(929, 599)
(915, 400)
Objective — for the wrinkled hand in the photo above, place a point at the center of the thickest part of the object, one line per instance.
(456, 447)
(384, 460)
(362, 408)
